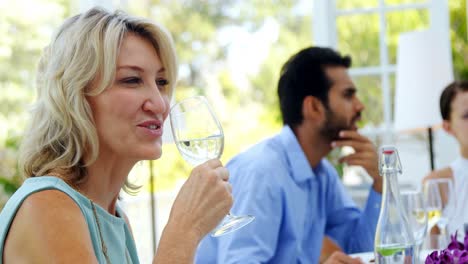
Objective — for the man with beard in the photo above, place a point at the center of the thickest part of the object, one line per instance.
(294, 193)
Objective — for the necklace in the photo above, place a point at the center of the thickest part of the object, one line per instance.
(103, 244)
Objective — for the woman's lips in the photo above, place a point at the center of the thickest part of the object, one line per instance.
(152, 128)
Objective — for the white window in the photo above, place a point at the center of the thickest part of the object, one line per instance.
(368, 30)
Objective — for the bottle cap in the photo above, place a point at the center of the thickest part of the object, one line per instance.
(389, 160)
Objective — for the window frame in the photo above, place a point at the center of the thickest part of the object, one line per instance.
(325, 14)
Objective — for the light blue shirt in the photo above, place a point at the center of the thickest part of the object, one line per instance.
(294, 206)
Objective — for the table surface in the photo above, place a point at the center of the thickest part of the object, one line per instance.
(368, 257)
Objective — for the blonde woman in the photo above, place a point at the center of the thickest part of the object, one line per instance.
(104, 86)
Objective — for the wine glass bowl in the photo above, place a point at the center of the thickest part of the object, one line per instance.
(413, 202)
(442, 189)
(197, 132)
(433, 203)
(199, 137)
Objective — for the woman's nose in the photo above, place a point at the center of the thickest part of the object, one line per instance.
(155, 102)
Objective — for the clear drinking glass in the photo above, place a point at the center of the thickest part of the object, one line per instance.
(199, 137)
(433, 204)
(413, 202)
(444, 188)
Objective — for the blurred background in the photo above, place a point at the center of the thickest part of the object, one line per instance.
(231, 51)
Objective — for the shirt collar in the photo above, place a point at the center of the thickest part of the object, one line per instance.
(299, 165)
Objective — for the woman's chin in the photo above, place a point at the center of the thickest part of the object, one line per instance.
(152, 155)
(147, 152)
(155, 156)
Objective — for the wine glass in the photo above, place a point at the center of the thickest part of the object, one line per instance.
(444, 186)
(199, 137)
(413, 202)
(433, 204)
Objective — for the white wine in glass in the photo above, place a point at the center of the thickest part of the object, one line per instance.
(434, 216)
(445, 190)
(199, 150)
(433, 203)
(199, 137)
(413, 202)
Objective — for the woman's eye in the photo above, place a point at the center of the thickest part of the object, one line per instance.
(132, 80)
(162, 82)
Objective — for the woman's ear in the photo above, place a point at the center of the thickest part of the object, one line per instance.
(447, 127)
(313, 108)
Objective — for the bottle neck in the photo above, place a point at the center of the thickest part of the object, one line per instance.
(390, 193)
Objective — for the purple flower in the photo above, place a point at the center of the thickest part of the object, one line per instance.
(433, 258)
(465, 241)
(463, 258)
(455, 244)
(456, 252)
(446, 256)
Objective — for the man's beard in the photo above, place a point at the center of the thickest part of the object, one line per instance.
(334, 124)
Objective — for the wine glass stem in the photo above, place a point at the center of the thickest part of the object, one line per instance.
(443, 232)
(417, 251)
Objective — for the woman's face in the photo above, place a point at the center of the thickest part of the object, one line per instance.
(129, 115)
(458, 124)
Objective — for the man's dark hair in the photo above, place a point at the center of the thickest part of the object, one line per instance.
(303, 75)
(448, 95)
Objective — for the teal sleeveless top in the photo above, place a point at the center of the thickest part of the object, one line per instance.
(115, 232)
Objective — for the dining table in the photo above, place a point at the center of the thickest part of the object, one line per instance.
(369, 258)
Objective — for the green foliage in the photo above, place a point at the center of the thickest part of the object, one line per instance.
(295, 33)
(352, 38)
(10, 176)
(370, 93)
(193, 25)
(24, 33)
(351, 4)
(9, 186)
(459, 35)
(404, 21)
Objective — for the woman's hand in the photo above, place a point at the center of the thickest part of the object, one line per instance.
(203, 200)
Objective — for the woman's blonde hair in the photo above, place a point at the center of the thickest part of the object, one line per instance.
(61, 135)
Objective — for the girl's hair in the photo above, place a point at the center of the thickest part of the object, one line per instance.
(61, 135)
(448, 95)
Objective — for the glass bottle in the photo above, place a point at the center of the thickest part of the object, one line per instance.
(394, 241)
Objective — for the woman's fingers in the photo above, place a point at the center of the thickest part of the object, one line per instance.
(222, 173)
(204, 199)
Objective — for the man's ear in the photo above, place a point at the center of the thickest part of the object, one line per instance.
(447, 127)
(313, 108)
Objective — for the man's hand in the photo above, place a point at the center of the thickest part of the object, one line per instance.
(365, 154)
(328, 248)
